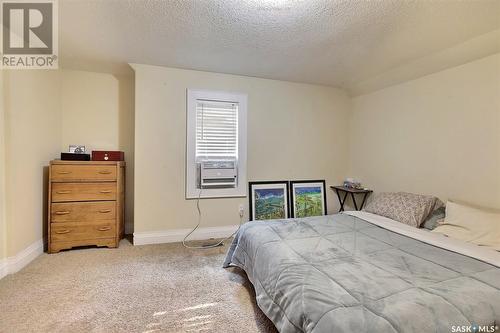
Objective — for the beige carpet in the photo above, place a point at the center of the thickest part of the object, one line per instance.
(151, 288)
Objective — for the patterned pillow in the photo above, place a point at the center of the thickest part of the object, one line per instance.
(408, 208)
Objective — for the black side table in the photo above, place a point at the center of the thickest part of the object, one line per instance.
(352, 191)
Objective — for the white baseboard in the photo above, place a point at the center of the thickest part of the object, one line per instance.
(177, 235)
(15, 263)
(3, 268)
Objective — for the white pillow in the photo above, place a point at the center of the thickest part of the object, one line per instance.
(471, 225)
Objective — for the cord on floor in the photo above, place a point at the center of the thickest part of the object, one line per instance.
(208, 246)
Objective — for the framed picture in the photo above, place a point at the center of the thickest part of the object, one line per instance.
(308, 198)
(268, 200)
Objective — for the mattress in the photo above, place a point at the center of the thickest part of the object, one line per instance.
(364, 273)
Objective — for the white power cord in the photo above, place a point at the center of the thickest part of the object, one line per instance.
(208, 246)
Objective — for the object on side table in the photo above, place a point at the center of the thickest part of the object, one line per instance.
(75, 157)
(108, 155)
(308, 198)
(352, 183)
(352, 191)
(86, 204)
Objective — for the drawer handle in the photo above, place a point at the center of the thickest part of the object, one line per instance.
(63, 192)
(104, 228)
(64, 172)
(62, 212)
(104, 172)
(60, 232)
(105, 211)
(105, 191)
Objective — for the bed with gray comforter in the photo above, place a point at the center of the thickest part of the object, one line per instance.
(340, 273)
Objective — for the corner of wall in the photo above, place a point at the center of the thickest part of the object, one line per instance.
(350, 129)
(126, 140)
(416, 136)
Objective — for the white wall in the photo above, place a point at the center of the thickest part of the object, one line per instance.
(439, 134)
(33, 134)
(3, 226)
(90, 110)
(295, 131)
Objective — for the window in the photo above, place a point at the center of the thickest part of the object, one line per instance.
(216, 131)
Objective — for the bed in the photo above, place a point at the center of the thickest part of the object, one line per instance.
(361, 272)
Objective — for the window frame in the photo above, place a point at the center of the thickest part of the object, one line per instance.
(192, 192)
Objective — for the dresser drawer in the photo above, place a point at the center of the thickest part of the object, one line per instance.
(67, 192)
(74, 231)
(83, 173)
(82, 212)
(64, 245)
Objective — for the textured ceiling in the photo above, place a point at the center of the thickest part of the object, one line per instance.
(337, 43)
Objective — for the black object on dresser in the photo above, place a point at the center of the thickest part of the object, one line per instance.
(75, 157)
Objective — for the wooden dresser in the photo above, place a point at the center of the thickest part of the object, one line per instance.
(86, 204)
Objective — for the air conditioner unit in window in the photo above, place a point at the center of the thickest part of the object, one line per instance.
(218, 174)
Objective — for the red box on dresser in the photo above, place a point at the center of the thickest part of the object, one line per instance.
(108, 155)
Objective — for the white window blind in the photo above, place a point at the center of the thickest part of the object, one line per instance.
(216, 130)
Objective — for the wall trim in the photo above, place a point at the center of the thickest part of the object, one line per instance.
(15, 263)
(177, 235)
(129, 228)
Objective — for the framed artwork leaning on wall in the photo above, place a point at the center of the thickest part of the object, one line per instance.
(308, 198)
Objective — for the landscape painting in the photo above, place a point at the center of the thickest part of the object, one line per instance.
(309, 198)
(268, 200)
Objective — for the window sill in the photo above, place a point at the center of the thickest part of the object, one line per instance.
(216, 196)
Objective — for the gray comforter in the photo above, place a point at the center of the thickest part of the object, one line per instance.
(339, 273)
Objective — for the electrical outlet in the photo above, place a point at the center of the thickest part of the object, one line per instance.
(241, 210)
